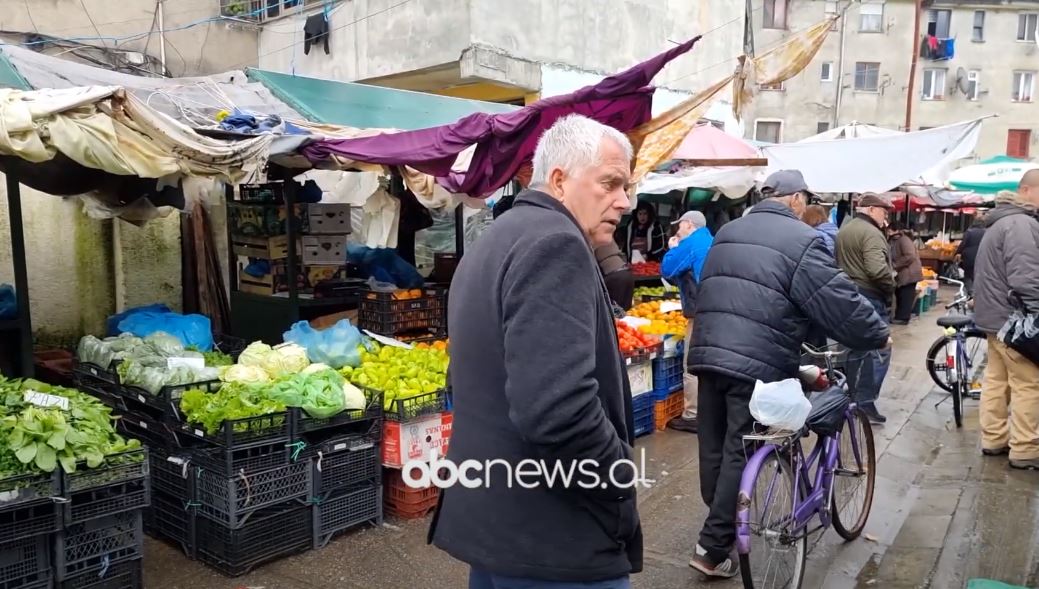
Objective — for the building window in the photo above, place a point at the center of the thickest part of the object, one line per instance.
(827, 72)
(1026, 25)
(867, 76)
(934, 84)
(1024, 84)
(774, 14)
(938, 23)
(830, 10)
(1018, 142)
(822, 126)
(768, 131)
(871, 17)
(973, 84)
(978, 32)
(777, 87)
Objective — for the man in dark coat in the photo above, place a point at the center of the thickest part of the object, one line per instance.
(767, 278)
(539, 383)
(967, 251)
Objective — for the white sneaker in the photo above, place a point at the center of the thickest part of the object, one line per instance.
(724, 569)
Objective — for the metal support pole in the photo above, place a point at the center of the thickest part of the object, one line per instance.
(21, 278)
(918, 7)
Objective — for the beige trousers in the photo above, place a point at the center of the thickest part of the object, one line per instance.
(1009, 410)
(689, 384)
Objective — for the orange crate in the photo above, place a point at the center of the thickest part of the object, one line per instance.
(404, 502)
(668, 409)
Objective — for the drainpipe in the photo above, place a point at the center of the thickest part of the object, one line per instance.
(117, 262)
(162, 37)
(840, 74)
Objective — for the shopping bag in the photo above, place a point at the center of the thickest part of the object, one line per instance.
(1021, 333)
(781, 405)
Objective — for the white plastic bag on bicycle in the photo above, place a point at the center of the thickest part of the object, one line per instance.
(780, 405)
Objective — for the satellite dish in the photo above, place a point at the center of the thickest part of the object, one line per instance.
(961, 80)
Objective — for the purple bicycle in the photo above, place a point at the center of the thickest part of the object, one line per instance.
(782, 491)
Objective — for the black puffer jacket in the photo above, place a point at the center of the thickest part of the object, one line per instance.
(768, 277)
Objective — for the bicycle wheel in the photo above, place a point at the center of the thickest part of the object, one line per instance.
(777, 553)
(943, 372)
(855, 476)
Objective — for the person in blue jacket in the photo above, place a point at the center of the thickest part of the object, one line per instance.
(681, 265)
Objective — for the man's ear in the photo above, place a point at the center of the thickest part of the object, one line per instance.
(556, 181)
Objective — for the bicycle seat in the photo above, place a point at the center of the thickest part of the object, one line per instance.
(955, 321)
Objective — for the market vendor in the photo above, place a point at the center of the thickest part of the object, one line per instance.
(682, 265)
(620, 282)
(644, 234)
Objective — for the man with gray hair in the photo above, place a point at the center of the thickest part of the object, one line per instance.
(539, 383)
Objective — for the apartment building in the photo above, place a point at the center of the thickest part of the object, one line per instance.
(974, 58)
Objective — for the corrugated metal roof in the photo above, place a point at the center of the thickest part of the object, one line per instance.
(367, 107)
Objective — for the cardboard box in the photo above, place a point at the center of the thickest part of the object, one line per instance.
(324, 249)
(641, 378)
(416, 439)
(329, 218)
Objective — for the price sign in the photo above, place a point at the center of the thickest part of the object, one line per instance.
(193, 363)
(668, 306)
(640, 377)
(387, 341)
(45, 400)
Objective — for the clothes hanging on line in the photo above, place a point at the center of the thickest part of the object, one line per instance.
(315, 29)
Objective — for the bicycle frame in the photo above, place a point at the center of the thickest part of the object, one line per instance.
(817, 490)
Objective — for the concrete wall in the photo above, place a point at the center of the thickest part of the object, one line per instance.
(806, 100)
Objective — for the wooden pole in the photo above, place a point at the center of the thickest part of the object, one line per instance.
(918, 7)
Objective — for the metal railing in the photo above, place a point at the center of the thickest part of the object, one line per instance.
(264, 10)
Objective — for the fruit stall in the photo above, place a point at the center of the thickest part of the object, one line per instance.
(937, 252)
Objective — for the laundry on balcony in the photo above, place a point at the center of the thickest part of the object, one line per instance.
(937, 49)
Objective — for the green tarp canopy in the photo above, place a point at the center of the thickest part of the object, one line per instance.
(9, 76)
(369, 107)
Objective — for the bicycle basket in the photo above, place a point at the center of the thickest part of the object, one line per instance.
(827, 414)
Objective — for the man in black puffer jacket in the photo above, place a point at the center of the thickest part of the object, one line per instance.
(768, 277)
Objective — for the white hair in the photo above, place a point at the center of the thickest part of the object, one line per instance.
(573, 144)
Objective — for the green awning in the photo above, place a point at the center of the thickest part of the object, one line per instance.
(366, 107)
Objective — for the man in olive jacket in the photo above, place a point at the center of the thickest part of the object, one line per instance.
(1008, 262)
(863, 253)
(539, 383)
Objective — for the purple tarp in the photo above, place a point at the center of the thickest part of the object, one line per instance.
(504, 141)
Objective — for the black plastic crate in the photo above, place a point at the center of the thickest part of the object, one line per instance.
(412, 407)
(166, 403)
(120, 484)
(28, 488)
(29, 519)
(303, 423)
(173, 520)
(98, 382)
(268, 192)
(173, 475)
(346, 509)
(238, 433)
(92, 547)
(155, 434)
(269, 535)
(125, 575)
(249, 459)
(381, 313)
(343, 462)
(25, 563)
(230, 345)
(231, 500)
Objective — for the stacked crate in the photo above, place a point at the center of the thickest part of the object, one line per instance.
(416, 314)
(668, 377)
(416, 429)
(639, 365)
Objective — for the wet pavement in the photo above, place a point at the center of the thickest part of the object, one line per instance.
(942, 514)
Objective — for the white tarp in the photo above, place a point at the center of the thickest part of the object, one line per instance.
(852, 130)
(732, 181)
(873, 164)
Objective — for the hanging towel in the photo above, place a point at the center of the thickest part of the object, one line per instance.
(948, 48)
(314, 30)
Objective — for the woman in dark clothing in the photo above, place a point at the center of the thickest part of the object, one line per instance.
(905, 259)
(967, 251)
(645, 235)
(620, 282)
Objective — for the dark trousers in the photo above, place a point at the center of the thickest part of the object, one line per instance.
(724, 416)
(479, 579)
(905, 300)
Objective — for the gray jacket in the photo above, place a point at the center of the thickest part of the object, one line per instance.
(1008, 260)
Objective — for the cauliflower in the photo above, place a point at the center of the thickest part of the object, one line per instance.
(255, 354)
(314, 368)
(245, 374)
(286, 359)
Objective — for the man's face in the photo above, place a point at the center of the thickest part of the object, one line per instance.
(596, 196)
(798, 204)
(878, 214)
(685, 229)
(1029, 193)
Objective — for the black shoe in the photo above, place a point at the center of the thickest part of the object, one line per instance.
(1032, 464)
(683, 425)
(873, 415)
(900, 322)
(996, 451)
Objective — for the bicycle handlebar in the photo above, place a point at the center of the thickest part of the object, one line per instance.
(809, 350)
(958, 303)
(951, 281)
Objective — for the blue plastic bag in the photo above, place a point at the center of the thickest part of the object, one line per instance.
(112, 324)
(335, 346)
(385, 266)
(8, 302)
(192, 330)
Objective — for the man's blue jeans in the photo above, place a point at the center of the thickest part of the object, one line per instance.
(479, 579)
(867, 370)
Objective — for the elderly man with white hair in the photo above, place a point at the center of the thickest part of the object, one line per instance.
(539, 383)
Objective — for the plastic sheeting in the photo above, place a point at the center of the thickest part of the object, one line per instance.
(873, 164)
(732, 181)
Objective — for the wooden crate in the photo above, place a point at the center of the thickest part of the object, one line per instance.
(267, 248)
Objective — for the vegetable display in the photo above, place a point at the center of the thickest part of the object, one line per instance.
(646, 268)
(632, 340)
(660, 323)
(145, 363)
(401, 373)
(655, 291)
(233, 401)
(39, 439)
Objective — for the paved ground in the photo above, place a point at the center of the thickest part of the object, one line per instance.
(942, 515)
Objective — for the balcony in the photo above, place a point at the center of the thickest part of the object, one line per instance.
(937, 49)
(259, 11)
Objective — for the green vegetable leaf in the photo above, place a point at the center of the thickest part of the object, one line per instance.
(57, 439)
(68, 462)
(26, 454)
(46, 458)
